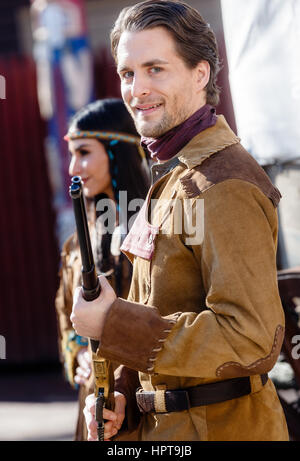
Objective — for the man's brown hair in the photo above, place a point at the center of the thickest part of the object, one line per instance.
(194, 39)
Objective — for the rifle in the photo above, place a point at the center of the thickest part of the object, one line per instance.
(91, 290)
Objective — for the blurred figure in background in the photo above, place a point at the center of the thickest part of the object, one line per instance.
(262, 44)
(65, 84)
(105, 151)
(262, 39)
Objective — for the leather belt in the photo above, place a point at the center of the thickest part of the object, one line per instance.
(205, 394)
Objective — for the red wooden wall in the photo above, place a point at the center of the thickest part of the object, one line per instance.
(28, 248)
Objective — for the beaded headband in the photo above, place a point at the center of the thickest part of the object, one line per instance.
(108, 135)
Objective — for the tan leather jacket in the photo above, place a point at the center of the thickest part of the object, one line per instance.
(205, 310)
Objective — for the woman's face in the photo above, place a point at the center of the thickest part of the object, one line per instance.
(90, 161)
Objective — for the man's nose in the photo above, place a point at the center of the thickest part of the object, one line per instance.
(140, 86)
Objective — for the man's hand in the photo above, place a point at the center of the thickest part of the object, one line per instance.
(88, 317)
(114, 418)
(83, 371)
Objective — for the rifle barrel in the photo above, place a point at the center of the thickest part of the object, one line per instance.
(90, 282)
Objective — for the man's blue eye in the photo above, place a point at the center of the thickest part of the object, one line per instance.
(128, 74)
(155, 70)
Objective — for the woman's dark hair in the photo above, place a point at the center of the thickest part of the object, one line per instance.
(128, 171)
(194, 39)
(126, 166)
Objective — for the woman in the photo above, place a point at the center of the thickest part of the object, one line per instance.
(105, 151)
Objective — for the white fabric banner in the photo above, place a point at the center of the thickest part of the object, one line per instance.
(263, 50)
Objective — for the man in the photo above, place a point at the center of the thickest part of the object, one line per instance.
(203, 323)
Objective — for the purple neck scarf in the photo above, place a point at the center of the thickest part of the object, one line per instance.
(170, 143)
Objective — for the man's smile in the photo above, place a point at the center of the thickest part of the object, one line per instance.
(146, 109)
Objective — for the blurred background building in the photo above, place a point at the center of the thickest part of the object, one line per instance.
(55, 57)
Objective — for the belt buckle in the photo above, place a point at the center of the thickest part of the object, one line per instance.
(144, 400)
(140, 407)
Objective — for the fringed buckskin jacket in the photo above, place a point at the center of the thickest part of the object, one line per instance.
(203, 305)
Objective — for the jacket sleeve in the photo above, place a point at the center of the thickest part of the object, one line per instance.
(239, 331)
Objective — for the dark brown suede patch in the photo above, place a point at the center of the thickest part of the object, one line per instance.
(234, 369)
(233, 162)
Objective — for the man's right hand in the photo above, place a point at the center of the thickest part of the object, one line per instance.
(114, 419)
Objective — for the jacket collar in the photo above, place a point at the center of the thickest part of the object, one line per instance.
(207, 143)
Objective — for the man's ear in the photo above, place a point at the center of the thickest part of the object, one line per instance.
(202, 74)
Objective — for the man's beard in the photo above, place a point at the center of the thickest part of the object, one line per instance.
(157, 129)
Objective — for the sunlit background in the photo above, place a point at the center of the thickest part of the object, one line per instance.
(54, 59)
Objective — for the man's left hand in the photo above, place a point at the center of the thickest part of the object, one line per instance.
(114, 419)
(88, 317)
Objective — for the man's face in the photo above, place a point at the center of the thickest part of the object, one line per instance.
(159, 90)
